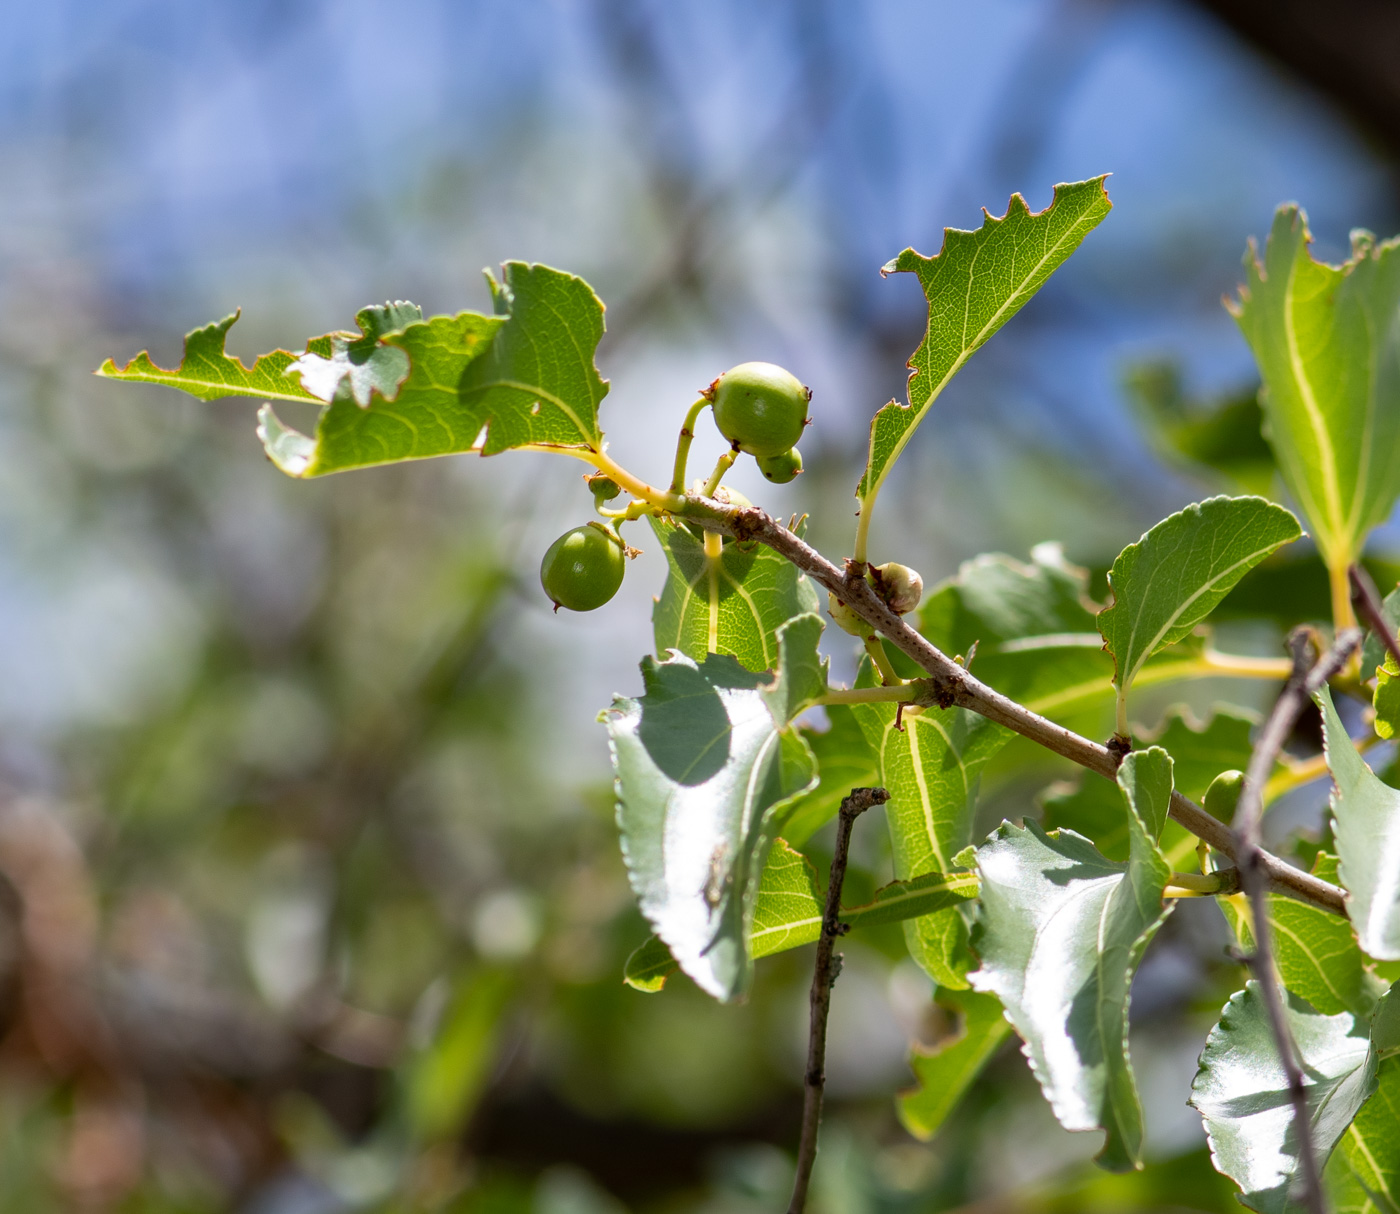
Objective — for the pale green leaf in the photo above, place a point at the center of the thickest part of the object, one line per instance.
(974, 285)
(1060, 931)
(946, 1072)
(788, 912)
(844, 761)
(706, 762)
(1326, 343)
(1366, 823)
(932, 769)
(359, 367)
(732, 603)
(1241, 1093)
(1385, 1024)
(1370, 1149)
(1386, 700)
(208, 373)
(1171, 579)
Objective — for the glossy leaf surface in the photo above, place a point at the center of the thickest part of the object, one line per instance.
(1366, 822)
(705, 761)
(1168, 582)
(1242, 1093)
(974, 285)
(1060, 931)
(946, 1072)
(733, 603)
(1329, 352)
(788, 911)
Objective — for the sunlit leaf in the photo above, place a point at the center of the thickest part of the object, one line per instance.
(1373, 651)
(1386, 700)
(1060, 931)
(974, 285)
(1366, 822)
(1168, 582)
(1328, 349)
(1370, 1149)
(208, 373)
(789, 908)
(1242, 1093)
(932, 768)
(844, 761)
(706, 761)
(732, 603)
(945, 1072)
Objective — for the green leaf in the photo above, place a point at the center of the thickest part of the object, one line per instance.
(733, 603)
(1387, 698)
(974, 285)
(844, 761)
(1217, 440)
(1315, 951)
(1168, 582)
(1370, 1149)
(1326, 344)
(1241, 1093)
(208, 373)
(1060, 931)
(359, 367)
(788, 912)
(1373, 650)
(1366, 822)
(1093, 806)
(932, 769)
(706, 762)
(946, 1072)
(1385, 1024)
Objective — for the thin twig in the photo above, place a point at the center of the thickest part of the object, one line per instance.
(1367, 601)
(952, 685)
(1296, 695)
(824, 975)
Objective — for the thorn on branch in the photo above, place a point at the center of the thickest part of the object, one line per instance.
(828, 966)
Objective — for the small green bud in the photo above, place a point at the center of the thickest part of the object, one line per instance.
(603, 486)
(1224, 794)
(583, 568)
(846, 619)
(782, 468)
(900, 586)
(760, 408)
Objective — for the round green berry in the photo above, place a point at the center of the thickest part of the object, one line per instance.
(1224, 794)
(900, 586)
(846, 619)
(760, 408)
(782, 467)
(583, 568)
(604, 488)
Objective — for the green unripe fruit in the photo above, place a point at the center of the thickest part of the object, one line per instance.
(1224, 794)
(846, 619)
(760, 408)
(900, 586)
(603, 486)
(583, 568)
(782, 467)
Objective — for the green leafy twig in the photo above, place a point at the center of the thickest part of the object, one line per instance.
(828, 965)
(1306, 679)
(953, 685)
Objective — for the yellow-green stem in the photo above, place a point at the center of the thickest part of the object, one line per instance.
(902, 694)
(683, 444)
(876, 649)
(725, 462)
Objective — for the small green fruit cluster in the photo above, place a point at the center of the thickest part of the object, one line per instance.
(583, 568)
(1224, 794)
(762, 409)
(899, 586)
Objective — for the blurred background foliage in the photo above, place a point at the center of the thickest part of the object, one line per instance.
(310, 898)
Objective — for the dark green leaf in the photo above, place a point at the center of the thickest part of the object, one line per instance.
(932, 768)
(733, 603)
(1326, 344)
(706, 762)
(1366, 823)
(789, 908)
(1060, 931)
(974, 285)
(1168, 582)
(1242, 1093)
(844, 761)
(948, 1070)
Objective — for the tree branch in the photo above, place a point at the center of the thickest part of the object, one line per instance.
(1367, 602)
(1249, 853)
(954, 686)
(823, 976)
